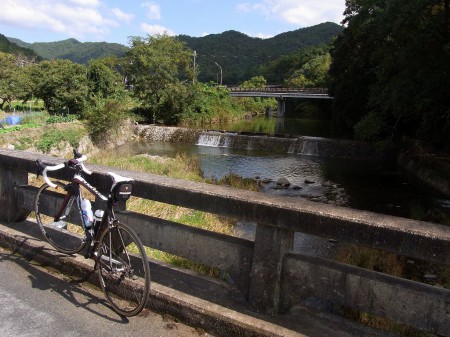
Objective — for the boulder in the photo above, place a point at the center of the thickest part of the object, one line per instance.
(283, 182)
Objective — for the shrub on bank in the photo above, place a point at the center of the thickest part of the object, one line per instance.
(104, 116)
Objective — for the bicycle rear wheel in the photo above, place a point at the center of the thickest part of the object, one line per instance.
(65, 232)
(123, 269)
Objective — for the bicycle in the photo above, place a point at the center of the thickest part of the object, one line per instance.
(120, 259)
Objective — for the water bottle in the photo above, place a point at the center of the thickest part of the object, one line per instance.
(86, 209)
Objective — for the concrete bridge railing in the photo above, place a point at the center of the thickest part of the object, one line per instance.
(267, 272)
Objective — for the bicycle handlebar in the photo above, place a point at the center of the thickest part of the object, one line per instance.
(76, 161)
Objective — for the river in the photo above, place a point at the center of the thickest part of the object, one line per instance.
(366, 185)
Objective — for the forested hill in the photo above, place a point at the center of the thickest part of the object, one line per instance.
(71, 49)
(240, 55)
(9, 47)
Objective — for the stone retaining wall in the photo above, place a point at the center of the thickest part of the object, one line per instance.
(274, 143)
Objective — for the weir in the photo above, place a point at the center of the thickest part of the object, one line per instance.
(274, 143)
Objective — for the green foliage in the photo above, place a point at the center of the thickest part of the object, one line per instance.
(208, 103)
(11, 129)
(236, 181)
(390, 70)
(7, 78)
(241, 56)
(74, 50)
(313, 73)
(254, 82)
(61, 119)
(61, 84)
(102, 80)
(160, 68)
(52, 138)
(255, 105)
(304, 67)
(370, 127)
(104, 116)
(23, 143)
(9, 47)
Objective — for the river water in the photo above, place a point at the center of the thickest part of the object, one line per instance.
(372, 186)
(366, 185)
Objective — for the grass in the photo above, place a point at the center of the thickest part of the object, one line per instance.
(50, 137)
(182, 167)
(56, 138)
(391, 264)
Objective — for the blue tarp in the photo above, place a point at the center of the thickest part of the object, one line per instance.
(12, 120)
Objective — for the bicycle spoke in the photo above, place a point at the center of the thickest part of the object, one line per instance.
(123, 270)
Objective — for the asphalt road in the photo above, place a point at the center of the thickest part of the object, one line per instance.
(36, 301)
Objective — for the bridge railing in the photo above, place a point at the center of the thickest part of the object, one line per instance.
(312, 91)
(271, 276)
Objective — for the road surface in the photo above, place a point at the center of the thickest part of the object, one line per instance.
(36, 301)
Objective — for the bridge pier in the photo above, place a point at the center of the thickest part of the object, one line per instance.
(281, 110)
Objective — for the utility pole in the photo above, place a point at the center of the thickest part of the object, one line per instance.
(193, 78)
(220, 73)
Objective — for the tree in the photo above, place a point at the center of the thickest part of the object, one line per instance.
(390, 70)
(61, 84)
(313, 73)
(255, 105)
(102, 80)
(254, 82)
(208, 103)
(161, 68)
(8, 86)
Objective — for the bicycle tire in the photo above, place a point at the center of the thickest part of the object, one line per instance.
(67, 235)
(123, 269)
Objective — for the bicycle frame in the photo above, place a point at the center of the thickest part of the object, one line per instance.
(107, 241)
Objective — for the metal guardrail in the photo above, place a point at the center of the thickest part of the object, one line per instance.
(280, 92)
(323, 91)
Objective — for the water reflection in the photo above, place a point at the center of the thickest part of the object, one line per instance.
(273, 125)
(380, 187)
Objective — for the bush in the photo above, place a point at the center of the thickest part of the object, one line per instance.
(53, 137)
(61, 119)
(104, 116)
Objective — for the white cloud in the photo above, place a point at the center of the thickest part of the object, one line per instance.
(243, 7)
(262, 36)
(75, 18)
(122, 16)
(153, 10)
(156, 29)
(297, 12)
(85, 3)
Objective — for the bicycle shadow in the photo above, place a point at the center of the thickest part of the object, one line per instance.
(73, 290)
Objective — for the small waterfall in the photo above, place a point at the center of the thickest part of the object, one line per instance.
(214, 140)
(293, 147)
(310, 147)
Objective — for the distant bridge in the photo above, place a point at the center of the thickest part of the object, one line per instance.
(280, 94)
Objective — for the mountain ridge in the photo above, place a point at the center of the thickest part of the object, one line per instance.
(237, 53)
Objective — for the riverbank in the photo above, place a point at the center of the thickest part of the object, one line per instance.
(431, 167)
(428, 165)
(59, 139)
(424, 163)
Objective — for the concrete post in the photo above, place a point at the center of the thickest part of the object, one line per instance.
(281, 111)
(10, 208)
(271, 244)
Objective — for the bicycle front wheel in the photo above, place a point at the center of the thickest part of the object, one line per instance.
(59, 221)
(123, 269)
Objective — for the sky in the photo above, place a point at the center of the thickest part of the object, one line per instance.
(117, 20)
